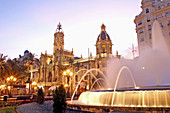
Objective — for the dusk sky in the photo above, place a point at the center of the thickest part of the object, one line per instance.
(31, 24)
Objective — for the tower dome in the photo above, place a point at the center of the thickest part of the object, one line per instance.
(26, 51)
(103, 34)
(103, 44)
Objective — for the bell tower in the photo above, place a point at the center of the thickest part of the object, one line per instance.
(58, 39)
(58, 45)
(58, 53)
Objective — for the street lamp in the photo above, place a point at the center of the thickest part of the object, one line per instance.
(33, 85)
(68, 74)
(10, 79)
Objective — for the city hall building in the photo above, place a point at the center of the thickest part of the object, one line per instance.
(62, 67)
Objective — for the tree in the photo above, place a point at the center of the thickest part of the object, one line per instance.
(40, 96)
(3, 67)
(18, 69)
(59, 98)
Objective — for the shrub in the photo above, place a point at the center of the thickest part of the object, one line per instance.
(59, 98)
(40, 96)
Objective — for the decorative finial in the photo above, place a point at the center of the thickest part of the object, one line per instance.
(103, 27)
(59, 26)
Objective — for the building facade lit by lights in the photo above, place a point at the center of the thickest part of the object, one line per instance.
(152, 10)
(52, 66)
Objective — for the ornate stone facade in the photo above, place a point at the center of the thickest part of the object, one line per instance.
(53, 66)
(152, 10)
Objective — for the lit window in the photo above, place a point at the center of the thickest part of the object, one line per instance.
(103, 49)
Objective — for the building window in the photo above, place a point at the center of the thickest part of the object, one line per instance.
(140, 31)
(50, 77)
(97, 50)
(167, 14)
(168, 23)
(139, 23)
(147, 10)
(148, 19)
(141, 39)
(159, 16)
(110, 49)
(159, 7)
(98, 66)
(161, 25)
(150, 36)
(168, 4)
(103, 49)
(149, 27)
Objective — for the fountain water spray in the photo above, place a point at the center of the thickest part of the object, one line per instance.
(83, 78)
(96, 81)
(124, 67)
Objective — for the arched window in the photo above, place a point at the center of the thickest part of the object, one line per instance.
(103, 49)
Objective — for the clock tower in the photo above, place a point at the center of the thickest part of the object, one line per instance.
(58, 39)
(58, 45)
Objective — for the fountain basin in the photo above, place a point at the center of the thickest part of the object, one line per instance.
(145, 97)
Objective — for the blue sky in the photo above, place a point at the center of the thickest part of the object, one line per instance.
(30, 25)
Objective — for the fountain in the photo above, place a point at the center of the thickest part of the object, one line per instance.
(151, 73)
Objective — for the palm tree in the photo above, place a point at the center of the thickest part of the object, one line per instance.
(18, 69)
(3, 67)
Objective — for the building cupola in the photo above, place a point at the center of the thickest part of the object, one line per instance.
(103, 43)
(103, 34)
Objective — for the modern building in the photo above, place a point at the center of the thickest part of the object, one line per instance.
(61, 67)
(152, 10)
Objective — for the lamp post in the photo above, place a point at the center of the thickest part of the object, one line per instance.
(10, 80)
(68, 74)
